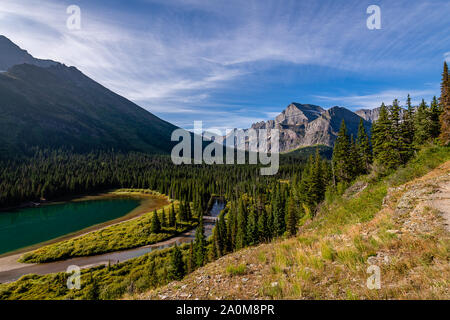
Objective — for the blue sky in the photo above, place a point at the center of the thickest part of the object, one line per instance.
(231, 63)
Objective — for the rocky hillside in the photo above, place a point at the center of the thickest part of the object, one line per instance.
(307, 125)
(396, 225)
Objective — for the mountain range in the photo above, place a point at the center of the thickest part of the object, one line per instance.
(303, 125)
(47, 104)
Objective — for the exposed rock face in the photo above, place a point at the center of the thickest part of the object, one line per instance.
(370, 115)
(307, 125)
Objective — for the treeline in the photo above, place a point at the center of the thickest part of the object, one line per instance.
(396, 135)
(51, 174)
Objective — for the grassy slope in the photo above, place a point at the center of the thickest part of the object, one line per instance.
(330, 256)
(103, 282)
(125, 235)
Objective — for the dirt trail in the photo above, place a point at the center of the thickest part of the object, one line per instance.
(430, 191)
(441, 202)
(11, 269)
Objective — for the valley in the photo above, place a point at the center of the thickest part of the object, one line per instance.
(352, 192)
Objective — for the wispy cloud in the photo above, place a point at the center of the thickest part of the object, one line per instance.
(184, 59)
(374, 100)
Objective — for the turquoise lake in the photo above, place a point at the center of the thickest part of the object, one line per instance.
(29, 226)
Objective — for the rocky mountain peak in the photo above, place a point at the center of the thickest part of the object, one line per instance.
(298, 114)
(307, 125)
(370, 115)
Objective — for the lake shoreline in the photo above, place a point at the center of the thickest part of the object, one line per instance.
(66, 198)
(11, 270)
(143, 208)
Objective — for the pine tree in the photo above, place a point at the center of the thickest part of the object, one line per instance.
(291, 225)
(364, 149)
(397, 142)
(190, 262)
(241, 226)
(200, 245)
(435, 125)
(384, 146)
(219, 234)
(407, 131)
(422, 124)
(444, 103)
(315, 189)
(163, 218)
(177, 270)
(263, 230)
(340, 160)
(156, 225)
(172, 216)
(188, 211)
(252, 227)
(279, 225)
(182, 213)
(354, 159)
(222, 231)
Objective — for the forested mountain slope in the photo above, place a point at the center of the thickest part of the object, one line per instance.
(50, 105)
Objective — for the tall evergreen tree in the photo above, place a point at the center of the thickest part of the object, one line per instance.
(384, 146)
(219, 235)
(364, 149)
(156, 225)
(397, 142)
(241, 226)
(172, 216)
(163, 218)
(291, 225)
(407, 131)
(355, 162)
(315, 189)
(444, 103)
(190, 259)
(340, 160)
(422, 124)
(279, 226)
(252, 227)
(263, 229)
(177, 269)
(200, 245)
(435, 125)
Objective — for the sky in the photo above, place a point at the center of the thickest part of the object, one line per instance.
(232, 63)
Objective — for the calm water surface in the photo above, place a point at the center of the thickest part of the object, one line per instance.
(29, 226)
